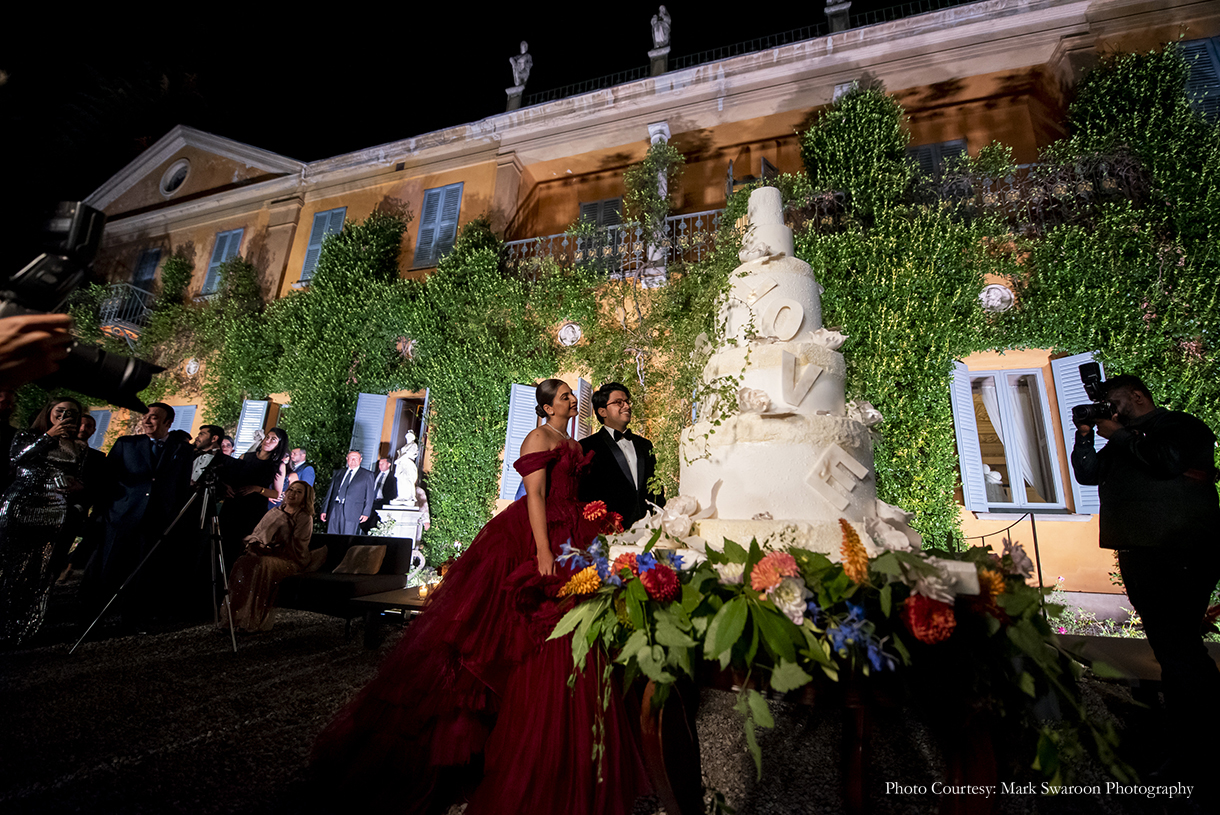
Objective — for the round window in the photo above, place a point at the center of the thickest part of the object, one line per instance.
(175, 176)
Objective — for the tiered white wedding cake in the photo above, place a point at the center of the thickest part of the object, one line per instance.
(779, 455)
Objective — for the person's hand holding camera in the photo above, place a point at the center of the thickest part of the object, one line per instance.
(31, 346)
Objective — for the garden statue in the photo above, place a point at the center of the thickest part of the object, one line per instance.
(521, 65)
(661, 22)
(406, 471)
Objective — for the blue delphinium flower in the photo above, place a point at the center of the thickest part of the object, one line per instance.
(573, 558)
(850, 629)
(814, 612)
(645, 561)
(675, 560)
(881, 661)
(603, 571)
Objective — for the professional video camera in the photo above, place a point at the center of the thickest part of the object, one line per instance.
(1090, 376)
(74, 233)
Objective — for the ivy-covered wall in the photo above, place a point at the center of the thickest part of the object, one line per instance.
(1128, 272)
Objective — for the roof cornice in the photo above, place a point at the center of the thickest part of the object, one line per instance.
(173, 141)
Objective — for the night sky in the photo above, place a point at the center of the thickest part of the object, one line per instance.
(81, 98)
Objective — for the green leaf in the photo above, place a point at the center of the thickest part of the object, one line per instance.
(788, 677)
(635, 642)
(669, 634)
(752, 559)
(570, 620)
(652, 663)
(725, 628)
(733, 552)
(887, 598)
(1025, 681)
(752, 745)
(691, 597)
(1104, 670)
(887, 564)
(759, 709)
(777, 631)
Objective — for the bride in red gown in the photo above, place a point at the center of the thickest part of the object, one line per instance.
(474, 677)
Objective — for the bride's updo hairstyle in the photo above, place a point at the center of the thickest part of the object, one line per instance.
(545, 394)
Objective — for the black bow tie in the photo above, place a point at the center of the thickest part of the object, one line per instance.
(620, 435)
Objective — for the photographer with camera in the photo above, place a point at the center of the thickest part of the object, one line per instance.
(1160, 513)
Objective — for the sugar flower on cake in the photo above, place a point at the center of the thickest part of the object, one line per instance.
(888, 527)
(676, 518)
(773, 568)
(864, 413)
(791, 597)
(753, 400)
(828, 337)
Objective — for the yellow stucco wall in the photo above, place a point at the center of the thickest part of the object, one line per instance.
(1068, 544)
(209, 173)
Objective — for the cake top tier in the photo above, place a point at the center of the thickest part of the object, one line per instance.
(766, 236)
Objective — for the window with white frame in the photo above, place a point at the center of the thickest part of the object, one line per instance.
(226, 246)
(438, 224)
(324, 224)
(1007, 446)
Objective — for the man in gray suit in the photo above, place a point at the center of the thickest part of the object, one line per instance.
(349, 501)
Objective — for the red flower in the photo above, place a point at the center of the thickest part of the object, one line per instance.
(613, 522)
(625, 561)
(660, 582)
(931, 621)
(595, 510)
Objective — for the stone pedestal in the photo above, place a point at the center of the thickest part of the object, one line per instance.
(514, 96)
(408, 523)
(659, 58)
(837, 15)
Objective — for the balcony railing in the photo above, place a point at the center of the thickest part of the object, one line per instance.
(620, 250)
(124, 311)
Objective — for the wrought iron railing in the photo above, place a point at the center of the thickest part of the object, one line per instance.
(124, 310)
(811, 32)
(621, 250)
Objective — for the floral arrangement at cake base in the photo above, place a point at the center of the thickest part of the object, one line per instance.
(781, 619)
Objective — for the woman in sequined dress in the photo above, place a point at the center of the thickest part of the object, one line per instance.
(46, 460)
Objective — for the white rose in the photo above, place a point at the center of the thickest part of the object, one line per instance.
(864, 413)
(677, 526)
(731, 573)
(791, 597)
(753, 400)
(828, 337)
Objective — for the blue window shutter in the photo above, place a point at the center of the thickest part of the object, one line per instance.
(325, 224)
(931, 158)
(253, 414)
(1069, 391)
(1203, 86)
(521, 420)
(227, 244)
(184, 418)
(965, 428)
(146, 269)
(366, 429)
(102, 417)
(438, 224)
(581, 424)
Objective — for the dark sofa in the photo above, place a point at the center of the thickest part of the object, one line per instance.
(324, 592)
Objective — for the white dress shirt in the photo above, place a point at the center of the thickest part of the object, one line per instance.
(625, 444)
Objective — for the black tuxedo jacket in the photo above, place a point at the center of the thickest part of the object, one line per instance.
(608, 476)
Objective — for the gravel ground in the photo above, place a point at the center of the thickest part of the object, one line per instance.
(173, 721)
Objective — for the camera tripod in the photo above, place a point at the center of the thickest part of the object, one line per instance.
(208, 521)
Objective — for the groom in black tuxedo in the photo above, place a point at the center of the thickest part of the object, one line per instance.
(623, 463)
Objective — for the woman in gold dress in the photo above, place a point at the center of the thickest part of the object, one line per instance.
(278, 547)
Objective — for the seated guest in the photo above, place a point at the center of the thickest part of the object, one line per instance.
(256, 479)
(278, 547)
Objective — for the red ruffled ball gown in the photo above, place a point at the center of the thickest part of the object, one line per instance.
(474, 674)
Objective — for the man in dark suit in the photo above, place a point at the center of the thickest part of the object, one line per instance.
(623, 463)
(349, 500)
(385, 490)
(147, 476)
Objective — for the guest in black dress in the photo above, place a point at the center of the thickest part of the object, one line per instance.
(257, 478)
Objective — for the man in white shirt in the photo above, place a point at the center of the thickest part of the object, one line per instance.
(349, 500)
